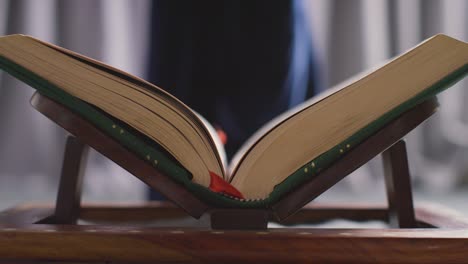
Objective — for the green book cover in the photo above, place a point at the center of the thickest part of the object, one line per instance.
(151, 152)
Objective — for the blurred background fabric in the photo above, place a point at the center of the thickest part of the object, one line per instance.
(345, 37)
(237, 63)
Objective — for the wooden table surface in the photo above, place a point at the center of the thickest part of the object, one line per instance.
(117, 243)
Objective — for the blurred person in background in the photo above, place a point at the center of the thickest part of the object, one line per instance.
(237, 63)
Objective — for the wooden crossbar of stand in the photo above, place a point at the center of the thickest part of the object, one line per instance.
(110, 237)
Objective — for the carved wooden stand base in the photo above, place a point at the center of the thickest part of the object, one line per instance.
(134, 233)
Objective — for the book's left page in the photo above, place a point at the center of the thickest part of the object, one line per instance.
(138, 104)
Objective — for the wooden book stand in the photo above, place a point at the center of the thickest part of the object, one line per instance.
(51, 233)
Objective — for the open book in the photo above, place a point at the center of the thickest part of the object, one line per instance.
(287, 151)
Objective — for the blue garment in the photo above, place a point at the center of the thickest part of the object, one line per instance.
(238, 63)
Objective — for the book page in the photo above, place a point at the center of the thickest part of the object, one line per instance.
(365, 105)
(202, 143)
(217, 141)
(270, 125)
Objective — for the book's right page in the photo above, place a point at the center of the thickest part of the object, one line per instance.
(270, 125)
(312, 138)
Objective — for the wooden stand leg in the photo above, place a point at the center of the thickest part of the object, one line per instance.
(398, 184)
(69, 194)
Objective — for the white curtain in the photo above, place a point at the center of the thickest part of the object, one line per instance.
(349, 36)
(31, 146)
(353, 36)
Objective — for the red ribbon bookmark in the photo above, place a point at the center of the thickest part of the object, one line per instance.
(219, 185)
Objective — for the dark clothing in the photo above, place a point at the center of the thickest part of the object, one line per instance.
(228, 60)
